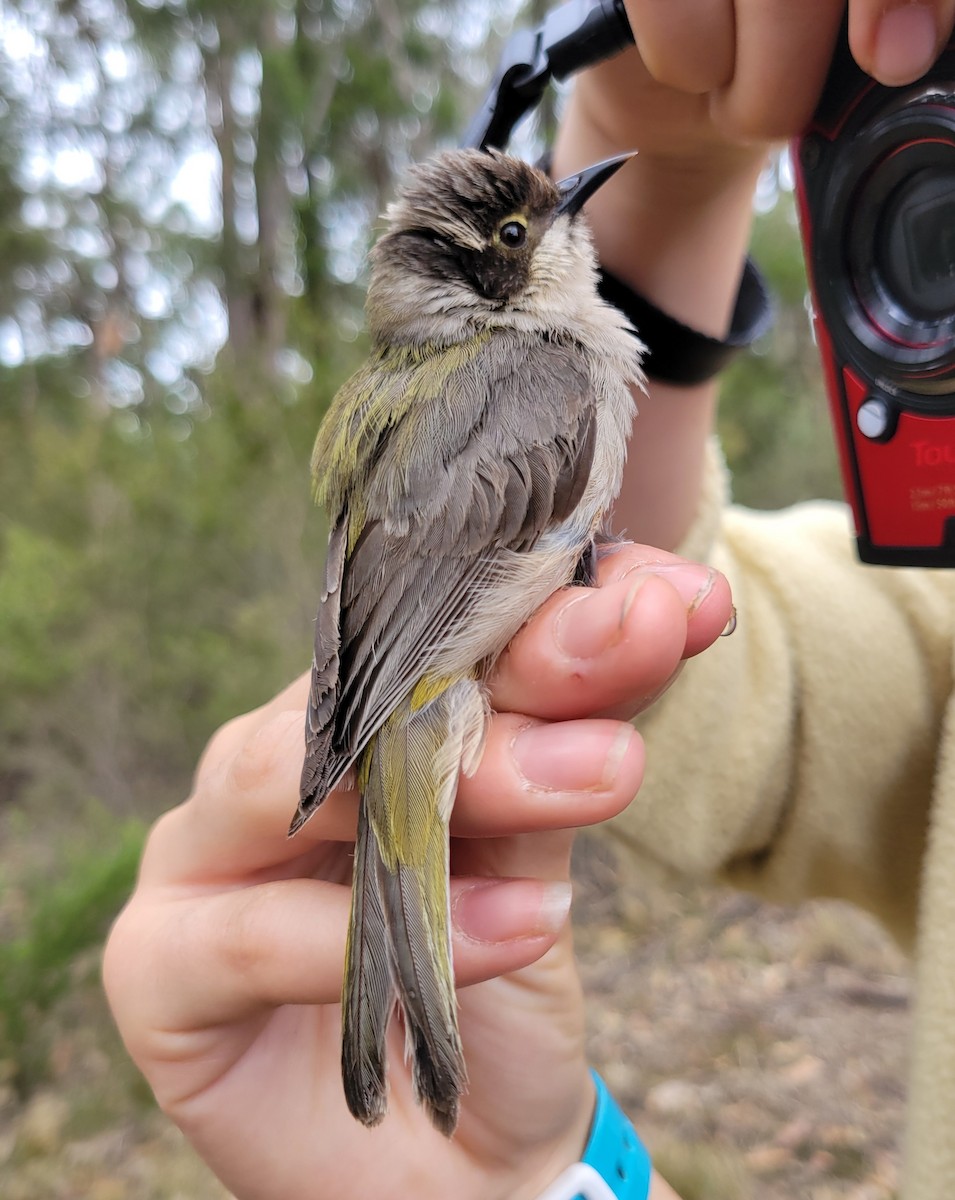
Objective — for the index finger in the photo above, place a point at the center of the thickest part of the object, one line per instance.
(609, 650)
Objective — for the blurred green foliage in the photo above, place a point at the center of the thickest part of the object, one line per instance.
(774, 423)
(63, 918)
(157, 576)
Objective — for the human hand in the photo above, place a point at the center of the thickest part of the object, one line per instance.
(710, 87)
(224, 970)
(713, 81)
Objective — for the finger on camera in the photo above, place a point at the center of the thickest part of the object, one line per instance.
(897, 44)
(783, 51)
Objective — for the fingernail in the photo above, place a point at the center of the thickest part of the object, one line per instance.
(693, 582)
(506, 910)
(730, 627)
(589, 625)
(550, 757)
(586, 625)
(906, 42)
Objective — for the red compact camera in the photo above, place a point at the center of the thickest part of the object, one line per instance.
(875, 179)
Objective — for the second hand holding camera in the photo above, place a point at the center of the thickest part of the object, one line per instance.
(875, 177)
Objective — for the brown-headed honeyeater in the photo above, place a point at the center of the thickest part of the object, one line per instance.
(466, 469)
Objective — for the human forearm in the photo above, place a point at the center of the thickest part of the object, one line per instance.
(674, 227)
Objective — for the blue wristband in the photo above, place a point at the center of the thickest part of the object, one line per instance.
(615, 1166)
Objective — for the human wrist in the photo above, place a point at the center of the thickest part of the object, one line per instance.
(539, 1171)
(613, 1162)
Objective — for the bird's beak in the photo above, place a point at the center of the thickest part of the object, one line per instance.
(577, 189)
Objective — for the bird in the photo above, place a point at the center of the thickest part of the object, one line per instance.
(467, 470)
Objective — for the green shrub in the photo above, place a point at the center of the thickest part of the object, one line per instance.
(62, 918)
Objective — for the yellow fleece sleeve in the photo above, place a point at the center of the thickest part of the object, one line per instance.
(796, 758)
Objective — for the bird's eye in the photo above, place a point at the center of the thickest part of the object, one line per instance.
(512, 234)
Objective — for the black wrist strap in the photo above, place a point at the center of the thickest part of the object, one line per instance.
(677, 353)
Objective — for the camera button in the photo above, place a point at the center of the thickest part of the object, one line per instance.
(873, 419)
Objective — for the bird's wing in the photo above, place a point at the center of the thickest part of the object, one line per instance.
(471, 474)
(325, 678)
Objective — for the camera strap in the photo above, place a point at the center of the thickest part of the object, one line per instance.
(677, 353)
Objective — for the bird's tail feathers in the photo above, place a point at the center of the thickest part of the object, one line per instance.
(368, 994)
(420, 955)
(409, 778)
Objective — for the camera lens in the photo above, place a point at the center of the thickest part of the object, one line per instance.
(892, 226)
(915, 244)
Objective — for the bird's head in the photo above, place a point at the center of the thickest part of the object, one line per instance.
(476, 238)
